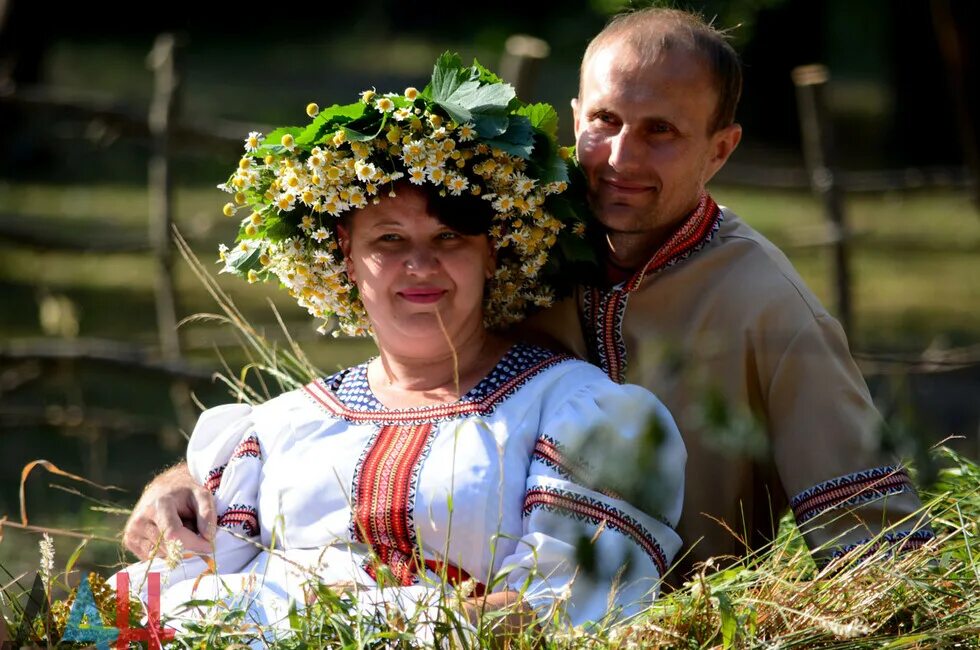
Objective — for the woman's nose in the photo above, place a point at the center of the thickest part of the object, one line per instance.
(421, 259)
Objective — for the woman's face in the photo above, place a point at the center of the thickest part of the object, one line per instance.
(408, 266)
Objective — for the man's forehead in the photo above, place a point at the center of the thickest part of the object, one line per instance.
(620, 67)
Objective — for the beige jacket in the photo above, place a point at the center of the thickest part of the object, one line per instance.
(758, 375)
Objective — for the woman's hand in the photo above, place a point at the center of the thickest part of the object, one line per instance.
(519, 618)
(173, 507)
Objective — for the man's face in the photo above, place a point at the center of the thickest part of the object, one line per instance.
(642, 134)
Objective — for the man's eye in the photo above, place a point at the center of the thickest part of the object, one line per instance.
(661, 127)
(390, 236)
(604, 118)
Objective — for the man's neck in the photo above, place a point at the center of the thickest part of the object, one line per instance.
(628, 251)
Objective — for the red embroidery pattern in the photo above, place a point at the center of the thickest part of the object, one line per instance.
(241, 515)
(605, 310)
(902, 542)
(606, 313)
(384, 498)
(325, 398)
(696, 230)
(548, 452)
(597, 512)
(249, 447)
(851, 490)
(213, 479)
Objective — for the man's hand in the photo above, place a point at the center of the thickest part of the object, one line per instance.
(173, 507)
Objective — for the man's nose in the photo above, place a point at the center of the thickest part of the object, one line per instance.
(625, 150)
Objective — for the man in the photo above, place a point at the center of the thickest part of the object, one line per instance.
(697, 307)
(709, 315)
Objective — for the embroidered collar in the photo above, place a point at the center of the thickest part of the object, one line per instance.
(347, 393)
(694, 233)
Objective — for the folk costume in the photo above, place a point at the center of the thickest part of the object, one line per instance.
(324, 483)
(773, 409)
(497, 491)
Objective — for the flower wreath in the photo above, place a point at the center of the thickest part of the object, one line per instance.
(465, 132)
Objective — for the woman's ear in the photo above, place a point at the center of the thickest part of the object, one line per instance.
(491, 263)
(343, 239)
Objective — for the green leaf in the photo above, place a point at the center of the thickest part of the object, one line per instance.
(367, 128)
(729, 622)
(543, 117)
(517, 139)
(275, 138)
(276, 228)
(484, 75)
(74, 557)
(466, 98)
(328, 120)
(243, 261)
(448, 74)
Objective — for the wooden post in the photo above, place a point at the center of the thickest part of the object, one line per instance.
(163, 60)
(521, 60)
(811, 84)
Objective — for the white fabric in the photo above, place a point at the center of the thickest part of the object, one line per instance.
(302, 484)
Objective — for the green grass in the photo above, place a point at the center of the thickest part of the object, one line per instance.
(927, 597)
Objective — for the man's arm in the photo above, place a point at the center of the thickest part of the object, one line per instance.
(172, 507)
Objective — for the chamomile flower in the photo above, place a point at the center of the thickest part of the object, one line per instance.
(384, 104)
(357, 199)
(436, 175)
(289, 142)
(503, 204)
(522, 184)
(285, 201)
(411, 93)
(466, 132)
(456, 184)
(253, 141)
(320, 234)
(416, 175)
(365, 171)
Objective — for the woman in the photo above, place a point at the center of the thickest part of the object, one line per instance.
(454, 456)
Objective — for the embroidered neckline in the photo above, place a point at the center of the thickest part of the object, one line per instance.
(698, 228)
(347, 393)
(602, 311)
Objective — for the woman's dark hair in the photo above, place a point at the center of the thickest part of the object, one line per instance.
(466, 214)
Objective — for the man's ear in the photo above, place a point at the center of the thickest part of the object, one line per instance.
(575, 116)
(723, 144)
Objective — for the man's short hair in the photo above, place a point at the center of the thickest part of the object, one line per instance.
(653, 30)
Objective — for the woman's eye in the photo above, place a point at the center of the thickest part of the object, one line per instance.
(448, 234)
(390, 236)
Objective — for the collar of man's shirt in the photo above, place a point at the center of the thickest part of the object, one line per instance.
(693, 232)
